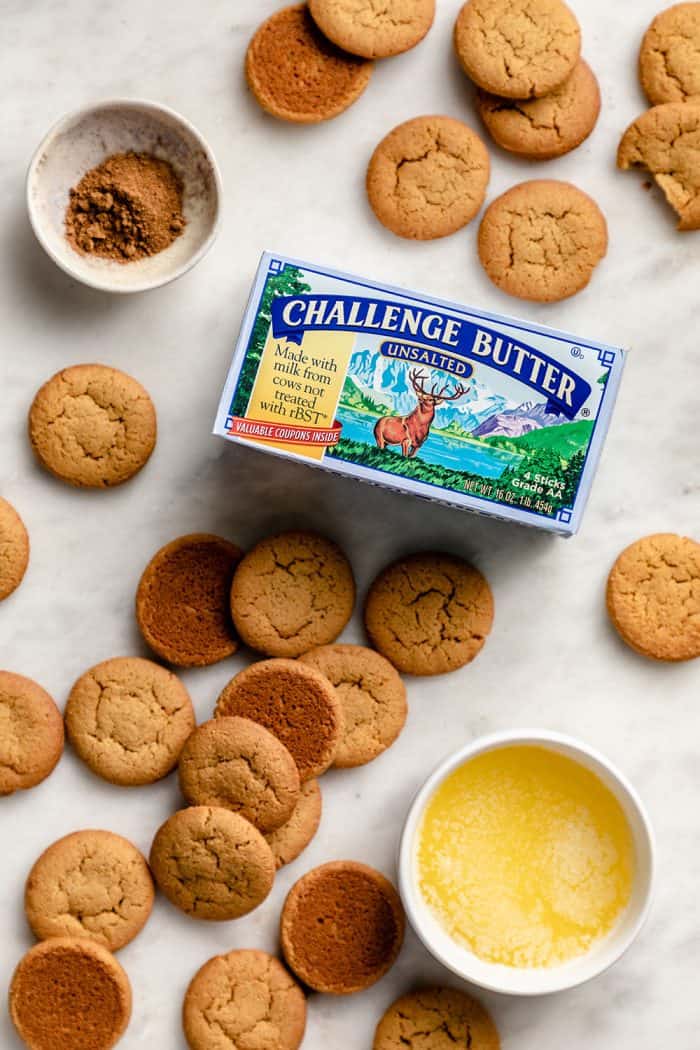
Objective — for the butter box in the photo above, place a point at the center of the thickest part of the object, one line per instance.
(478, 411)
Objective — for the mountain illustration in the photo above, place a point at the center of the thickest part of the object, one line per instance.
(514, 422)
(379, 378)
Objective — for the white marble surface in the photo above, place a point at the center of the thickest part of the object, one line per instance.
(552, 659)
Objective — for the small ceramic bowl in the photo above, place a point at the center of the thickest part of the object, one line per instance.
(82, 140)
(540, 981)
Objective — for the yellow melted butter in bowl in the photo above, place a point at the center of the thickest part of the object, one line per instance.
(525, 857)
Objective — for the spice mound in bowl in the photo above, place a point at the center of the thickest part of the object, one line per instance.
(124, 195)
(126, 208)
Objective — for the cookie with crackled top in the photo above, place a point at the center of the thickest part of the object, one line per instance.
(669, 58)
(91, 884)
(517, 48)
(14, 549)
(542, 240)
(293, 837)
(427, 178)
(92, 426)
(244, 998)
(546, 127)
(372, 697)
(236, 763)
(429, 613)
(31, 733)
(653, 596)
(212, 863)
(436, 1019)
(372, 30)
(664, 141)
(128, 719)
(292, 592)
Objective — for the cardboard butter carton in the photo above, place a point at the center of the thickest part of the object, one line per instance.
(434, 399)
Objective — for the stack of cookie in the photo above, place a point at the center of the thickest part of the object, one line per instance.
(664, 140)
(310, 62)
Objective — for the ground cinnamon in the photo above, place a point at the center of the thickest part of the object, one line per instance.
(127, 208)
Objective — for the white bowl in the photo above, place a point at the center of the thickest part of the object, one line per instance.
(82, 140)
(536, 981)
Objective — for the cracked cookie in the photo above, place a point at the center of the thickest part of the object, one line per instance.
(294, 702)
(245, 998)
(235, 763)
(296, 74)
(372, 697)
(429, 613)
(653, 597)
(542, 240)
(70, 994)
(517, 48)
(546, 127)
(292, 592)
(293, 837)
(31, 733)
(14, 549)
(89, 884)
(128, 719)
(212, 863)
(182, 601)
(373, 30)
(666, 141)
(428, 177)
(436, 1019)
(669, 58)
(92, 426)
(342, 927)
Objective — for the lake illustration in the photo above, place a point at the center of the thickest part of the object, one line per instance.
(439, 448)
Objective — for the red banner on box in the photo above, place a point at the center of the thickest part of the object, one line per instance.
(289, 433)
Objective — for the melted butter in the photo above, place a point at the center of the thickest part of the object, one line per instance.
(525, 857)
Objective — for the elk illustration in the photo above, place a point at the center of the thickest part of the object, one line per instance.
(412, 430)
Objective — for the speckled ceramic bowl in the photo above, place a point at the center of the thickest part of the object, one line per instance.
(536, 981)
(82, 140)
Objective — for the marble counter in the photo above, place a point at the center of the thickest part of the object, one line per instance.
(552, 660)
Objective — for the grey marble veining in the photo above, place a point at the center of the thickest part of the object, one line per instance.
(552, 659)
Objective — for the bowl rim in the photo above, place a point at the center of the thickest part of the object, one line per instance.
(554, 979)
(113, 102)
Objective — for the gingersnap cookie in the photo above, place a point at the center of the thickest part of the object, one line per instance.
(517, 48)
(212, 863)
(89, 884)
(342, 927)
(664, 141)
(235, 763)
(293, 837)
(373, 30)
(428, 177)
(128, 719)
(297, 74)
(669, 58)
(31, 733)
(14, 549)
(245, 998)
(429, 613)
(542, 240)
(182, 601)
(653, 596)
(436, 1019)
(70, 993)
(294, 702)
(92, 426)
(545, 127)
(372, 697)
(292, 592)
